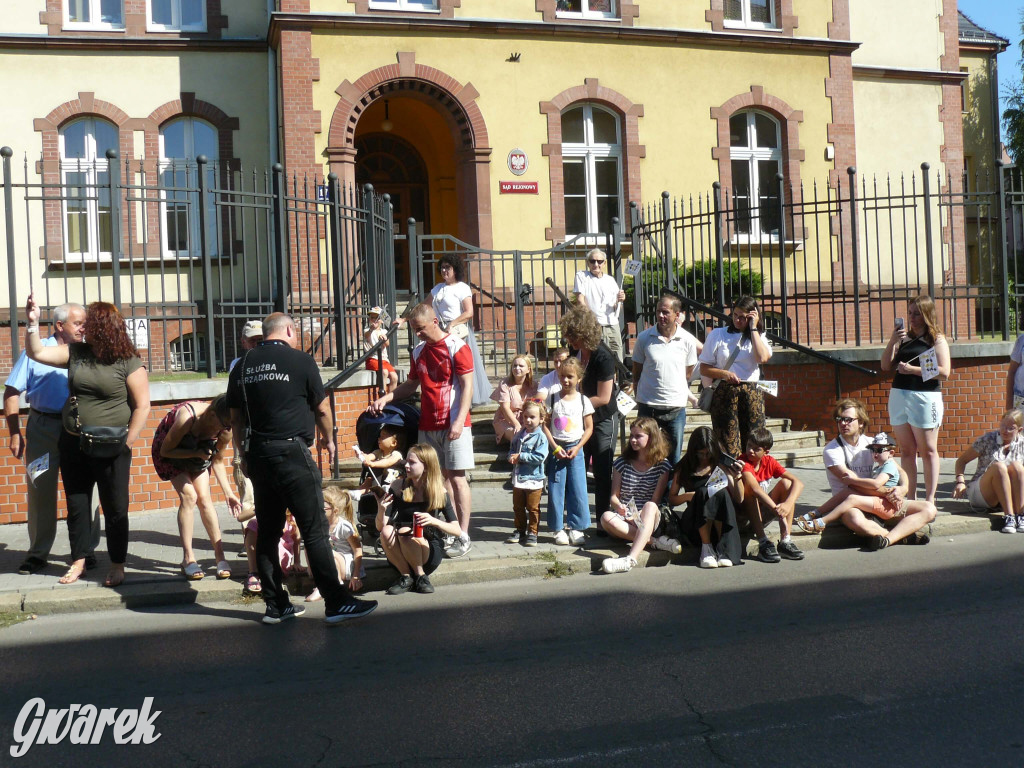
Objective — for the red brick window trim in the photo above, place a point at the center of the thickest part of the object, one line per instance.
(135, 14)
(623, 12)
(444, 9)
(632, 151)
(788, 119)
(784, 20)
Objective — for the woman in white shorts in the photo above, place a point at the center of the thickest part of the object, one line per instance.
(998, 480)
(915, 403)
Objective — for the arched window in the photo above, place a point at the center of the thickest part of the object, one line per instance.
(755, 152)
(181, 141)
(86, 178)
(591, 168)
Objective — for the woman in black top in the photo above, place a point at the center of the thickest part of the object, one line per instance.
(915, 404)
(580, 329)
(417, 500)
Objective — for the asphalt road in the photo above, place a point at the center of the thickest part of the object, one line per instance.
(910, 656)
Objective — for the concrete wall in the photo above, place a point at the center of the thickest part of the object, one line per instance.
(896, 34)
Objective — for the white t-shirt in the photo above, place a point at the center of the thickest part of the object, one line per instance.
(1017, 355)
(663, 380)
(447, 300)
(340, 535)
(840, 453)
(720, 344)
(375, 336)
(549, 385)
(601, 294)
(567, 417)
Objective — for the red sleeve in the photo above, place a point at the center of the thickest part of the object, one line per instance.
(749, 468)
(463, 358)
(777, 470)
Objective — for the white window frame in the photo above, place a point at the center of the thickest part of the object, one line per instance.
(746, 23)
(591, 151)
(405, 5)
(175, 25)
(586, 13)
(191, 169)
(92, 166)
(753, 154)
(94, 13)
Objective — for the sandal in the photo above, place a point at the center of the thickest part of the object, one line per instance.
(74, 573)
(223, 570)
(115, 578)
(252, 584)
(811, 525)
(192, 571)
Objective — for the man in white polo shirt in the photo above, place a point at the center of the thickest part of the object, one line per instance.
(600, 294)
(664, 357)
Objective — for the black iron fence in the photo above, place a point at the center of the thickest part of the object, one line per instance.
(191, 250)
(833, 264)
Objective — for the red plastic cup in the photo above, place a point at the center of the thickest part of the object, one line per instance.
(417, 530)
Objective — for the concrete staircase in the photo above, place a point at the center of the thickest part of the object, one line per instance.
(792, 448)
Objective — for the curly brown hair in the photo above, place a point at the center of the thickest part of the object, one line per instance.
(106, 335)
(580, 328)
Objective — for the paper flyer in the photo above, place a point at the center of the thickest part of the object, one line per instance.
(38, 467)
(717, 481)
(625, 403)
(929, 362)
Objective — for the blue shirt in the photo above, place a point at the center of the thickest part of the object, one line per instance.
(45, 387)
(890, 468)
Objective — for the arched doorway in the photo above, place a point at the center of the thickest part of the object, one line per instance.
(394, 167)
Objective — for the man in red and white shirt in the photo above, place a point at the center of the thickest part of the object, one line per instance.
(442, 369)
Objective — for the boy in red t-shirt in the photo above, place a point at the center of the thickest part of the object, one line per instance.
(763, 502)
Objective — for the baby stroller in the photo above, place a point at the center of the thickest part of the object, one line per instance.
(406, 419)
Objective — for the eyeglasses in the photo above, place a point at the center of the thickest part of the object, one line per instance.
(845, 419)
(880, 448)
(595, 261)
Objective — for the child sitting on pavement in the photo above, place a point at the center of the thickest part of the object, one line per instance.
(763, 501)
(528, 455)
(345, 541)
(878, 496)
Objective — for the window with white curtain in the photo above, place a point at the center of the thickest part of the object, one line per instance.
(181, 141)
(176, 15)
(94, 14)
(85, 175)
(755, 152)
(755, 14)
(591, 168)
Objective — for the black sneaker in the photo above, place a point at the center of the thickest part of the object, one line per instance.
(916, 538)
(531, 540)
(275, 615)
(423, 585)
(352, 609)
(876, 543)
(404, 584)
(790, 551)
(767, 553)
(31, 565)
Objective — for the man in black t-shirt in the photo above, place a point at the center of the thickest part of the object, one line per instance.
(278, 404)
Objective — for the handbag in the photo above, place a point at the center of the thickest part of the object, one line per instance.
(707, 394)
(96, 442)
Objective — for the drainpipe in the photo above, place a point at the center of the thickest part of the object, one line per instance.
(272, 92)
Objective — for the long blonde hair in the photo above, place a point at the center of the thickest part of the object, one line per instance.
(432, 480)
(339, 502)
(527, 385)
(926, 304)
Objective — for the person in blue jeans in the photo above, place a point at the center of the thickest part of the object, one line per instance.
(570, 427)
(664, 357)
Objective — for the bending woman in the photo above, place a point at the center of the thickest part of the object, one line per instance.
(188, 444)
(915, 405)
(998, 480)
(110, 388)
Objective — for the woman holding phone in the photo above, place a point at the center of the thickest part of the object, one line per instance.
(915, 400)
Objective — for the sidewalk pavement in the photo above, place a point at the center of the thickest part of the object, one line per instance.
(153, 574)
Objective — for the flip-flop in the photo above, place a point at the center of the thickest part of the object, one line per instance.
(74, 573)
(223, 570)
(192, 571)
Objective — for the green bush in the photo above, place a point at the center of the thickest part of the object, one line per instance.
(697, 281)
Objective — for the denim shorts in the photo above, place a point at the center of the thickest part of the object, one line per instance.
(920, 409)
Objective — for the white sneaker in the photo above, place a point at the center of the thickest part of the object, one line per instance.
(708, 559)
(459, 548)
(618, 564)
(1009, 524)
(562, 539)
(576, 538)
(723, 561)
(666, 544)
(1020, 523)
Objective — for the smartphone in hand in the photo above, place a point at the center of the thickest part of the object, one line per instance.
(899, 324)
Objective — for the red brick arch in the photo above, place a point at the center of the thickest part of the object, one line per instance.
(789, 123)
(455, 101)
(632, 150)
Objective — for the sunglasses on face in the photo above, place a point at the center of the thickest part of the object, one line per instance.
(595, 261)
(880, 448)
(845, 419)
